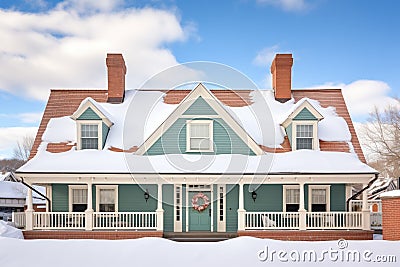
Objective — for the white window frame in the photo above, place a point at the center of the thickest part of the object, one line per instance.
(99, 132)
(98, 188)
(70, 194)
(315, 139)
(221, 225)
(328, 195)
(211, 131)
(178, 224)
(285, 187)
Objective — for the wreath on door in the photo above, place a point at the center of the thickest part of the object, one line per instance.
(195, 202)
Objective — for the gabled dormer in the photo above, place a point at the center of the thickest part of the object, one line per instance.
(92, 124)
(301, 126)
(200, 125)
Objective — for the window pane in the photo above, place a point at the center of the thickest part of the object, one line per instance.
(89, 143)
(107, 207)
(318, 196)
(304, 143)
(292, 196)
(107, 196)
(79, 196)
(89, 130)
(199, 130)
(304, 131)
(199, 144)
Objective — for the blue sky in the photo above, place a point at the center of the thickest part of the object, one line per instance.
(62, 44)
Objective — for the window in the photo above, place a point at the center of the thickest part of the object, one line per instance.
(304, 136)
(199, 136)
(89, 136)
(178, 203)
(106, 198)
(78, 197)
(79, 200)
(291, 198)
(221, 203)
(319, 198)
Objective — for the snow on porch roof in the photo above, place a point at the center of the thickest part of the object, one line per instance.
(92, 161)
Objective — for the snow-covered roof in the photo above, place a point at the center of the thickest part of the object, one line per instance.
(4, 175)
(390, 194)
(91, 161)
(143, 111)
(17, 190)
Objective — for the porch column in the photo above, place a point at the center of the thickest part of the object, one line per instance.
(241, 211)
(160, 211)
(89, 210)
(29, 211)
(366, 216)
(302, 210)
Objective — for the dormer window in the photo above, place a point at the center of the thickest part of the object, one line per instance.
(301, 127)
(304, 136)
(93, 125)
(89, 136)
(199, 136)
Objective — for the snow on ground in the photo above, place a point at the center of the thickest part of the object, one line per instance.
(242, 251)
(7, 230)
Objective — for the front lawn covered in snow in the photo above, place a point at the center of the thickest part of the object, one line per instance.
(242, 251)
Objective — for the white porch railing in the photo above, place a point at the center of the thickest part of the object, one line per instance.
(271, 220)
(376, 220)
(334, 220)
(373, 205)
(314, 220)
(125, 220)
(19, 219)
(58, 220)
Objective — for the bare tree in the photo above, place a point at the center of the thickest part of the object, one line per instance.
(382, 139)
(23, 148)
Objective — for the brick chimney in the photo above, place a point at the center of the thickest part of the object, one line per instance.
(116, 70)
(281, 69)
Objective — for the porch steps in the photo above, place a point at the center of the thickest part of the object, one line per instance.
(199, 236)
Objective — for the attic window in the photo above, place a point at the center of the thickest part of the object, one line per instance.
(304, 136)
(89, 135)
(199, 136)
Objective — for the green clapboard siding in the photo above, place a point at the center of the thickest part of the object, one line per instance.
(105, 131)
(60, 197)
(232, 205)
(168, 206)
(289, 131)
(173, 141)
(131, 198)
(305, 115)
(89, 114)
(200, 107)
(269, 198)
(338, 197)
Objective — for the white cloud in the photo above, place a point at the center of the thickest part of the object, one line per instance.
(10, 136)
(362, 96)
(265, 56)
(66, 47)
(287, 5)
(28, 117)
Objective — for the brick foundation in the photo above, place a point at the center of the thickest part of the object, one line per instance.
(109, 235)
(390, 217)
(309, 235)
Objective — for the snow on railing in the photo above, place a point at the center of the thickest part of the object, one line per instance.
(334, 220)
(271, 220)
(125, 220)
(18, 218)
(58, 220)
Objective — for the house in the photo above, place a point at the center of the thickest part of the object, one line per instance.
(8, 176)
(269, 163)
(13, 199)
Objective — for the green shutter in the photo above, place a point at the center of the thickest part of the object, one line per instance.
(60, 197)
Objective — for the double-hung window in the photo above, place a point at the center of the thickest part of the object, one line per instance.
(78, 198)
(304, 136)
(107, 198)
(319, 198)
(291, 198)
(89, 136)
(199, 136)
